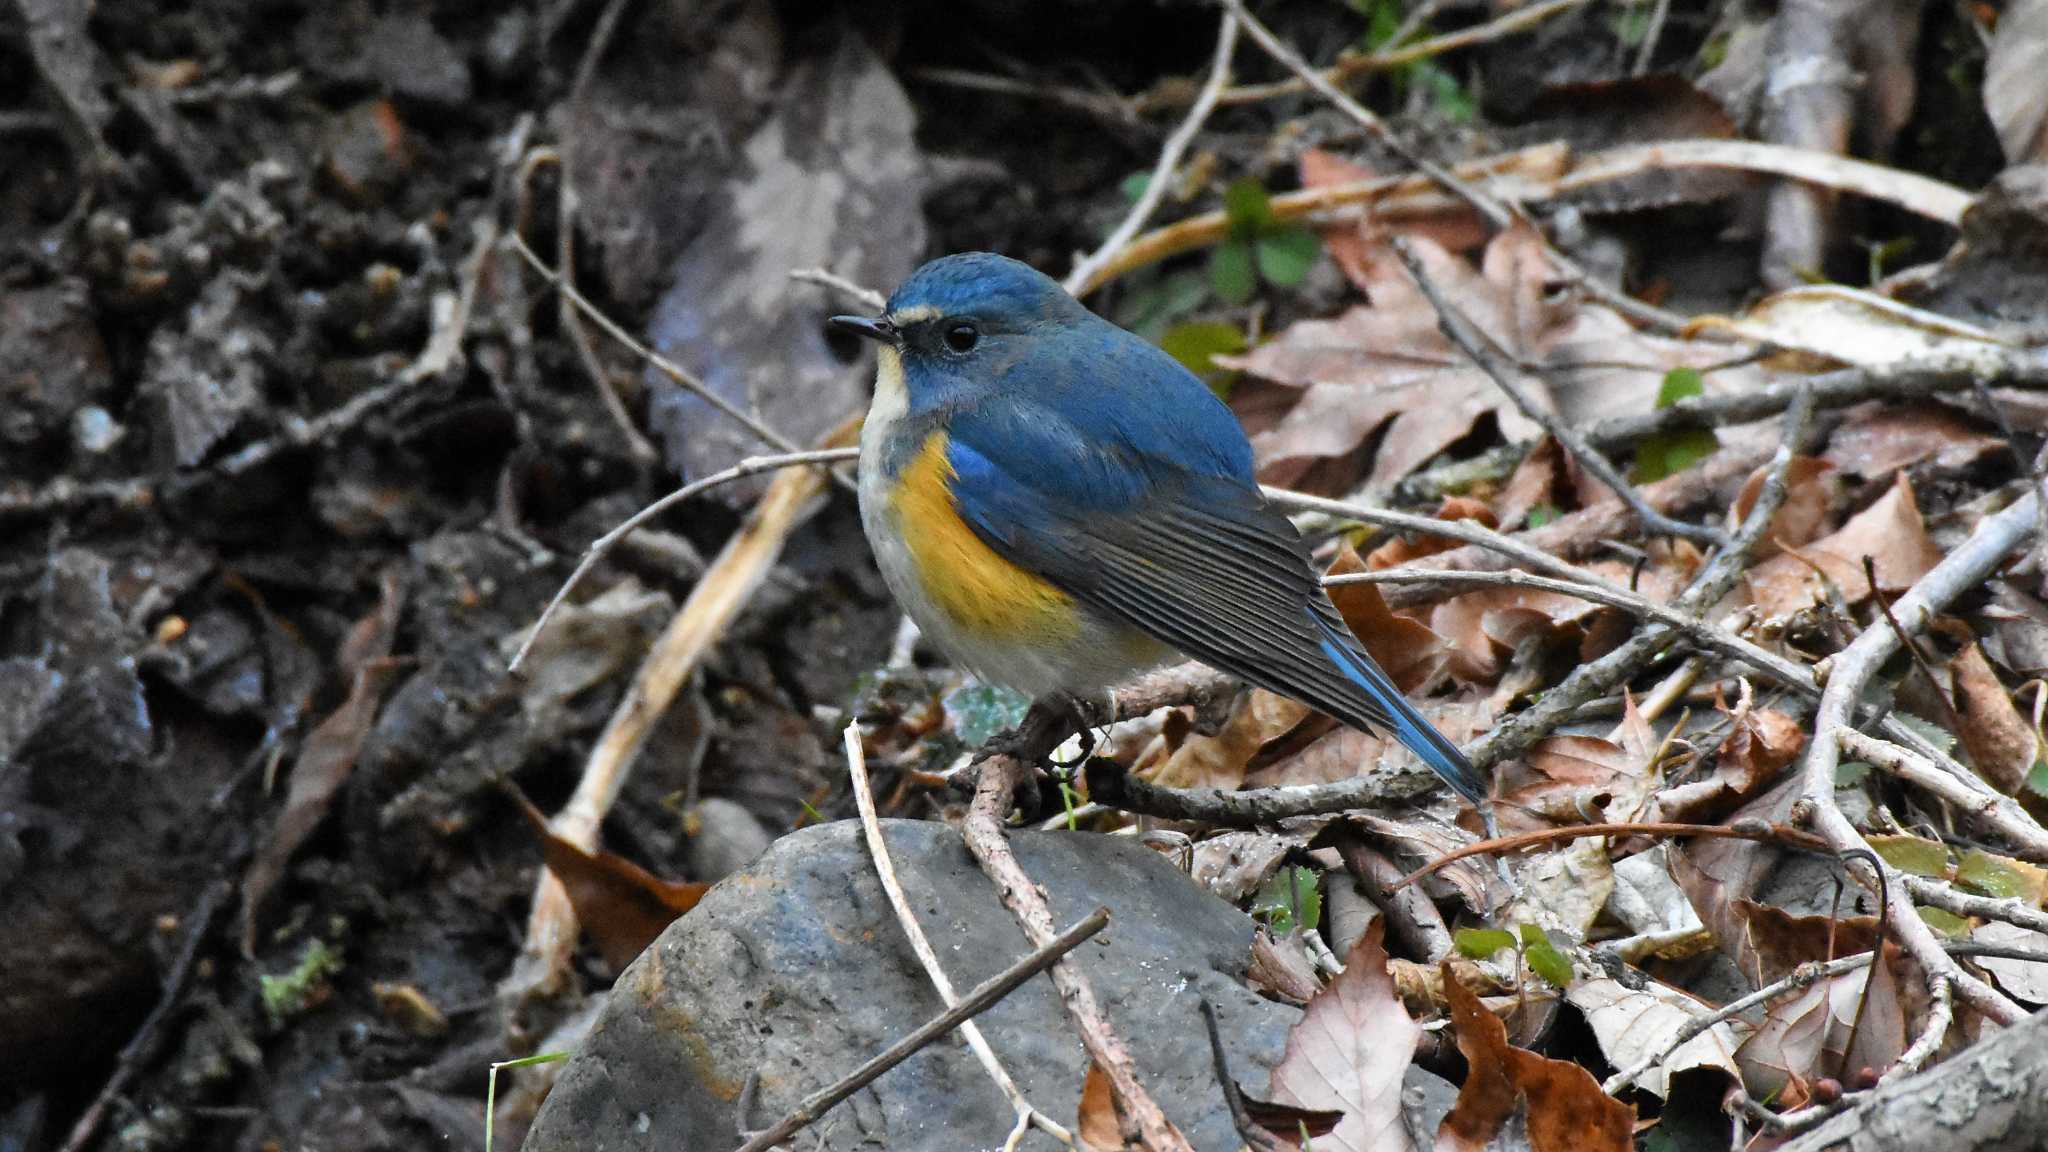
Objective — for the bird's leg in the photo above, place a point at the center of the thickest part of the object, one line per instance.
(1046, 726)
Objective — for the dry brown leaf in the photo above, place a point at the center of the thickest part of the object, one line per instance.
(1232, 865)
(1879, 439)
(1890, 532)
(1349, 1052)
(1564, 888)
(1999, 739)
(620, 904)
(1536, 481)
(1838, 1026)
(1558, 1102)
(1762, 743)
(1387, 365)
(1099, 1122)
(1282, 970)
(1402, 549)
(329, 753)
(1454, 225)
(1632, 1024)
(1808, 493)
(1341, 753)
(1411, 655)
(1720, 875)
(1831, 323)
(1577, 780)
(2025, 979)
(1218, 761)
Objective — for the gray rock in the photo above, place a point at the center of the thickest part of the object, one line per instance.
(795, 969)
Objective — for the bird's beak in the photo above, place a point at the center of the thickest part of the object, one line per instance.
(877, 328)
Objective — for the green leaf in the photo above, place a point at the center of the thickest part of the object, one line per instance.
(980, 711)
(1230, 272)
(1544, 958)
(1383, 19)
(1929, 731)
(2037, 778)
(1667, 453)
(1150, 310)
(1196, 344)
(1289, 899)
(1248, 208)
(1286, 254)
(1482, 943)
(1943, 921)
(1543, 514)
(1449, 97)
(1679, 384)
(301, 988)
(1920, 856)
(1134, 185)
(1980, 871)
(1850, 773)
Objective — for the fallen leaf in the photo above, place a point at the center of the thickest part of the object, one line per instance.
(1402, 549)
(2025, 979)
(1411, 655)
(1577, 780)
(1799, 520)
(1558, 1102)
(1879, 439)
(1646, 899)
(620, 904)
(329, 753)
(1564, 888)
(1535, 483)
(1337, 752)
(586, 644)
(1349, 1052)
(1633, 1024)
(1282, 969)
(1890, 532)
(1447, 221)
(1832, 323)
(1099, 1122)
(1719, 876)
(2014, 96)
(1756, 752)
(1232, 865)
(1856, 1019)
(1256, 718)
(2000, 741)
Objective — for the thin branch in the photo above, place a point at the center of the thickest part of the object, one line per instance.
(1169, 160)
(868, 298)
(984, 996)
(1849, 671)
(885, 868)
(1504, 372)
(983, 829)
(2011, 909)
(1744, 830)
(1940, 1015)
(603, 545)
(1994, 810)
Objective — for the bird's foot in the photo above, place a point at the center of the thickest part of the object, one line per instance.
(1046, 726)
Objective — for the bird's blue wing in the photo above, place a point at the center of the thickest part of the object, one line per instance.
(1192, 556)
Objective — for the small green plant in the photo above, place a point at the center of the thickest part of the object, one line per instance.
(491, 1092)
(1258, 247)
(1289, 901)
(1668, 452)
(304, 986)
(1533, 948)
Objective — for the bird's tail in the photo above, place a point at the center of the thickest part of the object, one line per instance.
(1408, 725)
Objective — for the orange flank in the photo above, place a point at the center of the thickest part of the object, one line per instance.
(982, 592)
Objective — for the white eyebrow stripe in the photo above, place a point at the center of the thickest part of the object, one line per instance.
(914, 314)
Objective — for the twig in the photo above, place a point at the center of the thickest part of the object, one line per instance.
(885, 868)
(602, 546)
(1998, 812)
(983, 829)
(1254, 1136)
(1506, 374)
(1105, 106)
(1940, 1015)
(1653, 33)
(1780, 669)
(1517, 732)
(984, 996)
(1905, 380)
(1468, 531)
(1169, 160)
(2011, 909)
(1744, 830)
(1849, 670)
(725, 588)
(662, 364)
(826, 278)
(1250, 807)
(1804, 976)
(1288, 58)
(139, 1046)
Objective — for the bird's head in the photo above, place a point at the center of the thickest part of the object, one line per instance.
(963, 321)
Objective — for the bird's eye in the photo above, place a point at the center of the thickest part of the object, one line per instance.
(961, 336)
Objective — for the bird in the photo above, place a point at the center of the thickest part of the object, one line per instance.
(1060, 505)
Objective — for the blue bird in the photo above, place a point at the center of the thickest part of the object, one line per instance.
(1060, 505)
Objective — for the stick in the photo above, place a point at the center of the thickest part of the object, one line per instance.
(602, 546)
(1460, 330)
(1852, 668)
(1996, 811)
(885, 868)
(984, 996)
(2011, 909)
(1169, 160)
(983, 829)
(1745, 830)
